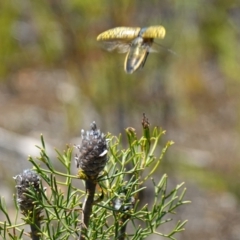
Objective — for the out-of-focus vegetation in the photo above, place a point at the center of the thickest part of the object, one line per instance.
(55, 77)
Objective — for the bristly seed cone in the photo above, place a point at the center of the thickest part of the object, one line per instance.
(26, 181)
(93, 152)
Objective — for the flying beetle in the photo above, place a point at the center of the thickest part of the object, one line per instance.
(135, 41)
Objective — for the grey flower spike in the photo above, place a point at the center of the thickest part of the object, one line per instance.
(93, 152)
(28, 179)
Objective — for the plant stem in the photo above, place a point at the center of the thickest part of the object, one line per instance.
(122, 232)
(35, 230)
(87, 207)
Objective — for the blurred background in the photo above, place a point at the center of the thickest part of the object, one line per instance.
(55, 79)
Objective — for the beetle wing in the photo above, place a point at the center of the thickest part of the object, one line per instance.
(153, 32)
(120, 46)
(119, 33)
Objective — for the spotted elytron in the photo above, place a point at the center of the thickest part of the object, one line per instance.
(137, 42)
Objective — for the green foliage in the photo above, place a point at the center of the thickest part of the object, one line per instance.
(117, 202)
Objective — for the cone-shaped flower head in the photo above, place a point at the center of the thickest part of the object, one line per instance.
(26, 181)
(93, 152)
